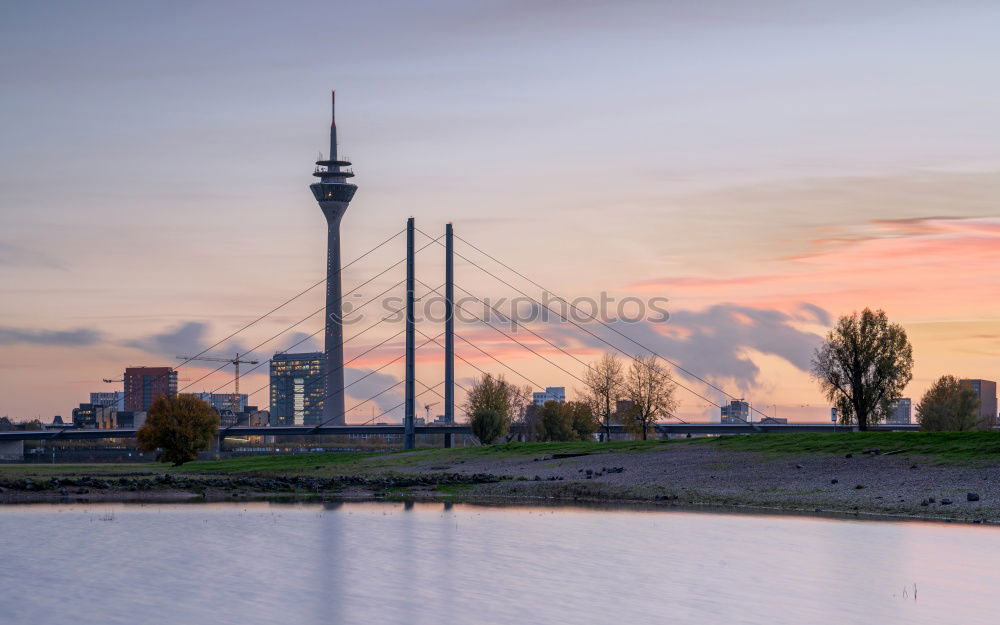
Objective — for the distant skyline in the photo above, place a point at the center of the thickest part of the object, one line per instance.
(766, 167)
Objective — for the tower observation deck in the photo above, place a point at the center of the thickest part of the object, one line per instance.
(333, 193)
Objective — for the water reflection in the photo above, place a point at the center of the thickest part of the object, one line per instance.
(441, 563)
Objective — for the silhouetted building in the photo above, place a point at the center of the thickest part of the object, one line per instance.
(298, 388)
(128, 419)
(253, 417)
(986, 393)
(738, 411)
(250, 416)
(551, 393)
(220, 401)
(773, 421)
(143, 385)
(900, 411)
(94, 416)
(114, 398)
(227, 418)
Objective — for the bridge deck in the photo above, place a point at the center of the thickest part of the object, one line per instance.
(306, 430)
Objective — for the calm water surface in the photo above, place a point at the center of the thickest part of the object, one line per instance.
(427, 563)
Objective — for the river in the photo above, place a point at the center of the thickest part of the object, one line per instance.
(431, 563)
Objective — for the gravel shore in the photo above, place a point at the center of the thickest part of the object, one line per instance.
(693, 474)
(862, 484)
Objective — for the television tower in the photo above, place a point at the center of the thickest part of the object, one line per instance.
(333, 193)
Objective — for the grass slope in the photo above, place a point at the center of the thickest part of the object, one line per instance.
(401, 459)
(948, 446)
(943, 446)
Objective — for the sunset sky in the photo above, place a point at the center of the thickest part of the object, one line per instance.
(766, 166)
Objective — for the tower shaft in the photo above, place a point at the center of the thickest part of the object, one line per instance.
(334, 194)
(410, 399)
(333, 347)
(449, 326)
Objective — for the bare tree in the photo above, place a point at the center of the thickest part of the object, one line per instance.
(651, 390)
(518, 403)
(604, 383)
(864, 365)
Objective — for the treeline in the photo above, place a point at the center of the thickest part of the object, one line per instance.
(635, 397)
(865, 364)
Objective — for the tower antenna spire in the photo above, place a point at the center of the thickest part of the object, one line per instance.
(333, 125)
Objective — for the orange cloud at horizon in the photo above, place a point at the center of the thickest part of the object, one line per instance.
(916, 270)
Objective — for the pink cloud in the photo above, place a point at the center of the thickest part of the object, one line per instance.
(913, 268)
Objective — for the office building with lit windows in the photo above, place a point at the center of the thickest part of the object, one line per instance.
(222, 401)
(552, 393)
(738, 411)
(900, 411)
(298, 388)
(143, 385)
(114, 399)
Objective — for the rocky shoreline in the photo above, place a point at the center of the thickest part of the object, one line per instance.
(859, 485)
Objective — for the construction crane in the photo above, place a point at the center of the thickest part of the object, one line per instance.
(235, 401)
(428, 407)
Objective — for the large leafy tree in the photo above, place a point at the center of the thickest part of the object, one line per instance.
(494, 394)
(652, 393)
(585, 422)
(557, 420)
(948, 405)
(489, 392)
(863, 366)
(604, 381)
(179, 427)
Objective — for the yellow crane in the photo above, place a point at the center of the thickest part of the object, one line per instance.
(235, 401)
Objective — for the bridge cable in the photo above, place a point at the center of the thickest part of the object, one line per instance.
(267, 314)
(383, 319)
(591, 316)
(543, 357)
(305, 338)
(565, 318)
(370, 373)
(326, 321)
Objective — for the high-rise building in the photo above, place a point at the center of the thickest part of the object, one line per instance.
(114, 398)
(900, 411)
(986, 393)
(551, 393)
(221, 401)
(738, 411)
(143, 385)
(298, 388)
(333, 193)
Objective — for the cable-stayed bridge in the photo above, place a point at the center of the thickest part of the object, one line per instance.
(334, 193)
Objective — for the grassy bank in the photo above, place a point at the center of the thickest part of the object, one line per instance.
(943, 446)
(930, 475)
(399, 460)
(940, 446)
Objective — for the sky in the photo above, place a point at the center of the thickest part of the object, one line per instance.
(763, 168)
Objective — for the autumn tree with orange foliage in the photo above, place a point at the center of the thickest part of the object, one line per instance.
(179, 427)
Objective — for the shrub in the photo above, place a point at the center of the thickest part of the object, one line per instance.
(488, 425)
